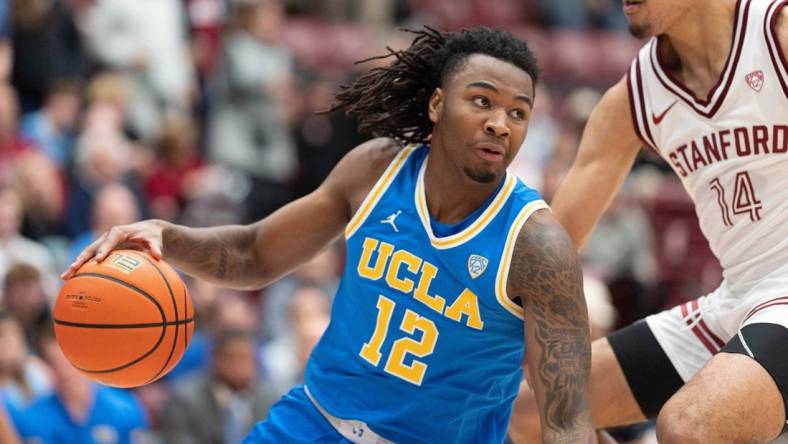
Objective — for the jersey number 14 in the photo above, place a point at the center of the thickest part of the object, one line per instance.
(744, 199)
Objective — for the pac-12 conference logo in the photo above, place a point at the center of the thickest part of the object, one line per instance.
(476, 265)
(755, 80)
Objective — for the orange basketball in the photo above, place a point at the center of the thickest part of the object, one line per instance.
(125, 321)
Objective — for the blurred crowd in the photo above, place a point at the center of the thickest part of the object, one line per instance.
(208, 112)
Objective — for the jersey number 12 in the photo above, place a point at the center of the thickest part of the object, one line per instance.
(413, 373)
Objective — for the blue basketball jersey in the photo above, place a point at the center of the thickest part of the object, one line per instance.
(424, 345)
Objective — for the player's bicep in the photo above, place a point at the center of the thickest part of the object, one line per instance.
(296, 232)
(546, 275)
(607, 151)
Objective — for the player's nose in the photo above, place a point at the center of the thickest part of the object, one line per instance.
(495, 125)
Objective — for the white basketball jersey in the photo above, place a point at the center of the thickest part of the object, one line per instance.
(730, 149)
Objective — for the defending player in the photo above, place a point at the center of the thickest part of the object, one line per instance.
(447, 253)
(708, 93)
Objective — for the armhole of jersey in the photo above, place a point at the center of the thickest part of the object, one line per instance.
(637, 106)
(776, 51)
(378, 190)
(506, 257)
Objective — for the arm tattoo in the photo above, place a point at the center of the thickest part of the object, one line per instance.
(221, 255)
(547, 277)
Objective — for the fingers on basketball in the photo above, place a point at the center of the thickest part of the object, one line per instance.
(114, 237)
(125, 321)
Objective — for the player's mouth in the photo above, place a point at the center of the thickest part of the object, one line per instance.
(631, 6)
(489, 152)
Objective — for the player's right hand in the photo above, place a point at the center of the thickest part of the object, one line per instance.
(146, 235)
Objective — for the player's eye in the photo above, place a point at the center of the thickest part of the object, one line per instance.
(481, 101)
(517, 114)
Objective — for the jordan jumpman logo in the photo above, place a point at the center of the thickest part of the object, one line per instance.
(390, 220)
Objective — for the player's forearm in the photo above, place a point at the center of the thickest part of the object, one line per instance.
(550, 284)
(562, 371)
(222, 255)
(575, 435)
(579, 210)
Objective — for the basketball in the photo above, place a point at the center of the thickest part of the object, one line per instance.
(125, 321)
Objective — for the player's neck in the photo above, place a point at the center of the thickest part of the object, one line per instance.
(696, 47)
(451, 194)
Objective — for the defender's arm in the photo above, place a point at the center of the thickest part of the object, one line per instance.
(606, 154)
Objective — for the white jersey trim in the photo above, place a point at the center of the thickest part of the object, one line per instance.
(637, 104)
(378, 190)
(506, 257)
(711, 104)
(469, 232)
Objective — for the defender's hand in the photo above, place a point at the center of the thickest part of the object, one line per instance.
(146, 235)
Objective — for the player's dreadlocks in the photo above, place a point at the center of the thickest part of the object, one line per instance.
(392, 101)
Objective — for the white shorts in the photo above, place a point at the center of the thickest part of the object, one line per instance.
(691, 333)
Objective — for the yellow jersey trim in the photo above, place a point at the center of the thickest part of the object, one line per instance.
(506, 257)
(378, 190)
(470, 231)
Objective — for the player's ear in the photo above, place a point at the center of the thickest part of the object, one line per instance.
(436, 105)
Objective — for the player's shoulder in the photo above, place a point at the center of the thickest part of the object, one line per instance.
(543, 238)
(361, 168)
(618, 94)
(542, 228)
(376, 154)
(543, 250)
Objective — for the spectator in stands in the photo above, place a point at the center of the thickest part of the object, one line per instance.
(52, 127)
(24, 298)
(216, 309)
(621, 251)
(235, 311)
(41, 186)
(206, 26)
(150, 51)
(321, 271)
(221, 405)
(108, 96)
(249, 130)
(5, 42)
(175, 173)
(12, 144)
(103, 156)
(206, 22)
(284, 358)
(583, 14)
(23, 377)
(47, 45)
(114, 205)
(13, 246)
(321, 139)
(79, 411)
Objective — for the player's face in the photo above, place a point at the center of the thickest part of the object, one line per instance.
(648, 18)
(481, 116)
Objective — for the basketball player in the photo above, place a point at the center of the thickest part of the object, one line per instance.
(453, 265)
(708, 92)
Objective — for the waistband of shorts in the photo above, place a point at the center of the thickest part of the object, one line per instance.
(341, 425)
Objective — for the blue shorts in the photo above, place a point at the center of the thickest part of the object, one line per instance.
(294, 419)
